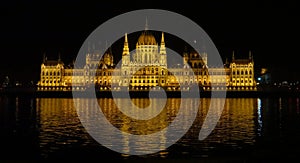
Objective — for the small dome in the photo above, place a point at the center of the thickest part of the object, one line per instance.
(146, 39)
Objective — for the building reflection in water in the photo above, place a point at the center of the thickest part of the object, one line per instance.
(60, 126)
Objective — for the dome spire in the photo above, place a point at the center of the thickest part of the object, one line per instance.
(146, 25)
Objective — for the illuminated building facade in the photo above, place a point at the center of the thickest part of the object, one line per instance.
(146, 68)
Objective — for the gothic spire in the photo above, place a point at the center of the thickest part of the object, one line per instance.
(59, 58)
(44, 57)
(162, 38)
(126, 48)
(162, 45)
(250, 55)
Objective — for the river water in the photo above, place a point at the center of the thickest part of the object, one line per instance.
(249, 129)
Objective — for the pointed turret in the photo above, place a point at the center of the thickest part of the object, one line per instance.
(125, 54)
(108, 57)
(163, 51)
(162, 45)
(226, 64)
(250, 55)
(233, 56)
(126, 48)
(44, 58)
(59, 58)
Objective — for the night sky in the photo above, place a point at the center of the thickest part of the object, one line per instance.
(29, 29)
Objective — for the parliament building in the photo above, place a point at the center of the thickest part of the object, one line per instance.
(146, 68)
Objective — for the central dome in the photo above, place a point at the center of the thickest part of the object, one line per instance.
(146, 38)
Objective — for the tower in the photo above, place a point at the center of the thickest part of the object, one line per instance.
(163, 52)
(108, 58)
(125, 54)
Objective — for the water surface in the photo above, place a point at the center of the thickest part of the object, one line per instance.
(249, 129)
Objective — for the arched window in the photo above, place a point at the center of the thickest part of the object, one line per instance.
(250, 72)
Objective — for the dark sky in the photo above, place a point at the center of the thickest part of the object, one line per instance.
(30, 28)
